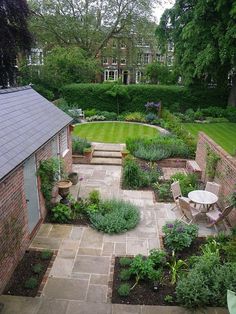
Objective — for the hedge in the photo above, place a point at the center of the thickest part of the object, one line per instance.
(174, 98)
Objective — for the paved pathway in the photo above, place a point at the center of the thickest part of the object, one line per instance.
(80, 279)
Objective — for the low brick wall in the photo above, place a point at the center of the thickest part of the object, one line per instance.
(225, 171)
(172, 163)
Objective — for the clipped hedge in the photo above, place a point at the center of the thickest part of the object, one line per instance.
(174, 98)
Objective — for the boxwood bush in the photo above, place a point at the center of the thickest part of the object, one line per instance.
(175, 98)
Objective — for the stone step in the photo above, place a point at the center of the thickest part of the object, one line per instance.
(108, 147)
(106, 154)
(106, 161)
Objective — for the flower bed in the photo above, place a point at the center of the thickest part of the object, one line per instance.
(28, 277)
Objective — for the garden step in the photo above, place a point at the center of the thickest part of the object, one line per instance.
(106, 161)
(107, 154)
(108, 147)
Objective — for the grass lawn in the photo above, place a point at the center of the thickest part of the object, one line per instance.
(223, 134)
(113, 132)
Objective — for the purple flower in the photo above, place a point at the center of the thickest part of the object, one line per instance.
(170, 225)
(152, 105)
(81, 179)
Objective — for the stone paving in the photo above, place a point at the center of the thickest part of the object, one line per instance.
(80, 279)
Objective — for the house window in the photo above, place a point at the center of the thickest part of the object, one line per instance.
(139, 58)
(110, 75)
(123, 45)
(114, 60)
(105, 60)
(35, 57)
(123, 61)
(63, 142)
(146, 58)
(138, 76)
(170, 46)
(158, 57)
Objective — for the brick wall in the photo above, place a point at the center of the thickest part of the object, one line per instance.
(225, 171)
(14, 234)
(14, 237)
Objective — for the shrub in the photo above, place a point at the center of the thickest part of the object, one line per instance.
(46, 254)
(187, 182)
(94, 197)
(150, 117)
(178, 236)
(124, 290)
(125, 261)
(96, 118)
(79, 144)
(158, 257)
(90, 112)
(44, 92)
(61, 213)
(98, 96)
(110, 116)
(124, 274)
(37, 268)
(133, 177)
(135, 117)
(31, 283)
(163, 191)
(206, 283)
(115, 216)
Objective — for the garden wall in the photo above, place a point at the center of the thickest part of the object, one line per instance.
(134, 97)
(225, 170)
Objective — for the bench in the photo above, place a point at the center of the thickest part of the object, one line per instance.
(193, 167)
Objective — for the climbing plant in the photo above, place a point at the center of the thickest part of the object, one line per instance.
(211, 163)
(50, 171)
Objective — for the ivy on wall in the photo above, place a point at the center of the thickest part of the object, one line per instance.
(211, 163)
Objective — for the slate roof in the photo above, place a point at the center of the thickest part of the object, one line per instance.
(27, 121)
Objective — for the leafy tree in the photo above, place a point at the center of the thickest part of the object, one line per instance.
(62, 66)
(14, 37)
(88, 24)
(158, 73)
(205, 43)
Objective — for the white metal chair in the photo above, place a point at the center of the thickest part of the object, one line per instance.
(189, 212)
(213, 188)
(176, 193)
(216, 216)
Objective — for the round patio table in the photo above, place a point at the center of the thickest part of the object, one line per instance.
(203, 197)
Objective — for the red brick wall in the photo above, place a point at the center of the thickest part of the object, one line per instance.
(225, 171)
(14, 234)
(14, 237)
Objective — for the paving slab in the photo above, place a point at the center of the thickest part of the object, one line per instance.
(126, 309)
(60, 231)
(137, 246)
(92, 264)
(163, 310)
(111, 154)
(44, 230)
(62, 267)
(67, 289)
(46, 243)
(105, 161)
(88, 308)
(97, 293)
(53, 306)
(15, 305)
(76, 233)
(91, 239)
(99, 279)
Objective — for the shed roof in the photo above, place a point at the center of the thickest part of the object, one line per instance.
(27, 121)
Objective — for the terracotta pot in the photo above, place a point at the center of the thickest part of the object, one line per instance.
(124, 154)
(64, 190)
(73, 176)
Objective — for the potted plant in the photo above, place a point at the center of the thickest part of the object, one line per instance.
(64, 190)
(124, 153)
(87, 152)
(73, 177)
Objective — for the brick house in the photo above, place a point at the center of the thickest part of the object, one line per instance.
(31, 129)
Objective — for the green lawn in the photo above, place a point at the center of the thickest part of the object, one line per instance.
(223, 134)
(113, 132)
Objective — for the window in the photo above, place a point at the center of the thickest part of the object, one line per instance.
(35, 57)
(170, 46)
(158, 57)
(114, 60)
(139, 58)
(146, 58)
(105, 60)
(110, 75)
(123, 61)
(63, 142)
(123, 45)
(138, 76)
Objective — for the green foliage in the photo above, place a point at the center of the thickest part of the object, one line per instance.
(95, 96)
(37, 268)
(124, 289)
(168, 299)
(125, 261)
(94, 197)
(61, 213)
(229, 249)
(46, 254)
(206, 283)
(151, 117)
(44, 91)
(211, 163)
(163, 191)
(158, 148)
(133, 177)
(125, 274)
(157, 73)
(187, 182)
(31, 283)
(79, 144)
(177, 266)
(114, 216)
(178, 236)
(158, 257)
(49, 172)
(135, 117)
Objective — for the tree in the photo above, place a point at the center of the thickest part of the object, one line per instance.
(158, 73)
(88, 24)
(204, 36)
(14, 37)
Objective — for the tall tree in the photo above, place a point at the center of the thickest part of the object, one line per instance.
(14, 37)
(87, 23)
(204, 34)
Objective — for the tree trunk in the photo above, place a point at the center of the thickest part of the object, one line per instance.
(232, 94)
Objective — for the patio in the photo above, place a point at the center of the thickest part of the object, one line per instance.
(81, 277)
